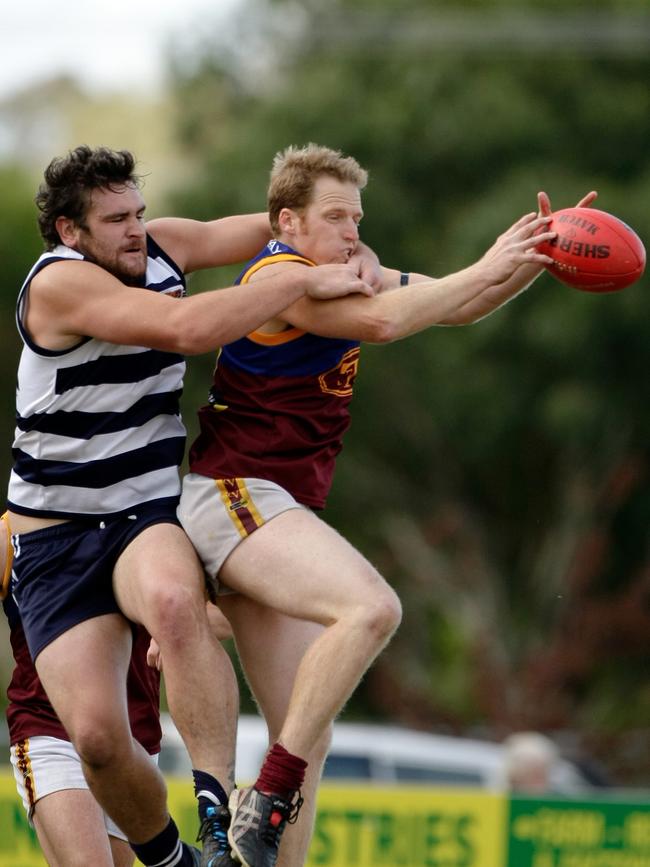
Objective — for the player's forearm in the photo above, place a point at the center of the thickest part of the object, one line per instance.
(494, 297)
(425, 302)
(394, 313)
(402, 310)
(505, 269)
(206, 321)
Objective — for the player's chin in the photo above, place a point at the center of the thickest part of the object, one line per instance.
(134, 262)
(131, 273)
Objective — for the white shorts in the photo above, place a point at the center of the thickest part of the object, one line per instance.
(218, 513)
(44, 765)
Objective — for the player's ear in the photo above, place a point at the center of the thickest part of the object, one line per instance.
(67, 229)
(288, 221)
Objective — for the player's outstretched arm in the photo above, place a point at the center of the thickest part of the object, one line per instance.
(73, 299)
(392, 315)
(498, 294)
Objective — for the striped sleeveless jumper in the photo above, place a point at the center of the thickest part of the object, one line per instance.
(98, 427)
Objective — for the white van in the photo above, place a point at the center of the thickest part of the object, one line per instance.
(384, 754)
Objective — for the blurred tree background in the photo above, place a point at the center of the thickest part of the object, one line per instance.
(496, 474)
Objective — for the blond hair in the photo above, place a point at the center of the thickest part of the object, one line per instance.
(296, 170)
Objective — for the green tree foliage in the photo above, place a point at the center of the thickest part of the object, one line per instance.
(19, 246)
(19, 240)
(498, 474)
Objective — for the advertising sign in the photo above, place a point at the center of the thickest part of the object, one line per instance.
(567, 833)
(400, 826)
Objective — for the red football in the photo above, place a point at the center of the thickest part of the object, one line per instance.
(593, 250)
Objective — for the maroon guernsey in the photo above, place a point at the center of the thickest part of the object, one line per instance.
(279, 405)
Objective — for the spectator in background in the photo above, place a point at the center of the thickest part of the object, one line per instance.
(530, 759)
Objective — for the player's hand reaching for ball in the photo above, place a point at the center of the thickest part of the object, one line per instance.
(516, 247)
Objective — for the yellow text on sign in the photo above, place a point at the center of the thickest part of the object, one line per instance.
(357, 826)
(364, 826)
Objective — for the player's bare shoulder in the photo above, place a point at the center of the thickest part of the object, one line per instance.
(52, 292)
(65, 298)
(68, 282)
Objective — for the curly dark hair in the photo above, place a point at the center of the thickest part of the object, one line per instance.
(68, 182)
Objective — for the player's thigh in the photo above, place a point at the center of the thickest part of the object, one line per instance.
(299, 565)
(270, 646)
(70, 828)
(160, 561)
(84, 672)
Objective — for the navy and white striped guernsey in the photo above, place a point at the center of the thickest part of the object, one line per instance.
(98, 426)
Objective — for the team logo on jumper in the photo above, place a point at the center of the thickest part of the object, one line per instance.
(340, 379)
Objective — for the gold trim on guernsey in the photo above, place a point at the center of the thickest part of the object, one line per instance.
(275, 339)
(286, 334)
(9, 557)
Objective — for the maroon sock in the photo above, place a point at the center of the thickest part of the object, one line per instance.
(282, 773)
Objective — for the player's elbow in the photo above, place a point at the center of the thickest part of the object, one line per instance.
(381, 329)
(191, 344)
(189, 336)
(183, 341)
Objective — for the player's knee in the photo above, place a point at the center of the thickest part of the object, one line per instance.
(383, 613)
(175, 614)
(99, 745)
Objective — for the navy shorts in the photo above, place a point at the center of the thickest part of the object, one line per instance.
(63, 575)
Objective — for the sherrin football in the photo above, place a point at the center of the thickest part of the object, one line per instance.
(593, 250)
